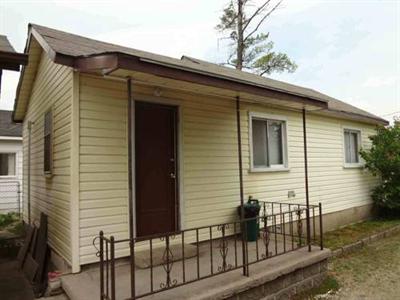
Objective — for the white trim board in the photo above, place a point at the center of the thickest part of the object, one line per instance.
(265, 116)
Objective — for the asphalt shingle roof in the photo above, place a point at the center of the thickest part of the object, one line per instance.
(7, 126)
(5, 44)
(79, 46)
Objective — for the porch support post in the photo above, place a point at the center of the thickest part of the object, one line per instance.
(242, 224)
(306, 181)
(130, 185)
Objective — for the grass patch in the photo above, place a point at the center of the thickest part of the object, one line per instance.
(329, 285)
(362, 264)
(353, 233)
(356, 268)
(373, 270)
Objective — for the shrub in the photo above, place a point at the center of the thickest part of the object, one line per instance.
(383, 160)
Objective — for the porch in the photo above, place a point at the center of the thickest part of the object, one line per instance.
(215, 261)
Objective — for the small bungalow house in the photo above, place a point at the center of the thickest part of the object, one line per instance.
(134, 143)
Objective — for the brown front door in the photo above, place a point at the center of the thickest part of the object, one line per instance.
(156, 172)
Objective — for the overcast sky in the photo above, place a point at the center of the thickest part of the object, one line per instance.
(349, 50)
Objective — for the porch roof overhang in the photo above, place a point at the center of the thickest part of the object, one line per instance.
(9, 58)
(12, 60)
(177, 77)
(99, 58)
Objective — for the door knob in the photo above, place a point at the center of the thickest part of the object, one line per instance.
(172, 175)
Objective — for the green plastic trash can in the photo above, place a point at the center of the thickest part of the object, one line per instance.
(251, 210)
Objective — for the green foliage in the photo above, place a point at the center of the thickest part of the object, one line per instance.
(17, 228)
(7, 219)
(258, 55)
(383, 160)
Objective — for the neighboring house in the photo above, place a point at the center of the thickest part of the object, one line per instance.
(121, 136)
(10, 137)
(10, 163)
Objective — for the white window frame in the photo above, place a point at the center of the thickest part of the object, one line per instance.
(48, 173)
(15, 166)
(360, 163)
(270, 117)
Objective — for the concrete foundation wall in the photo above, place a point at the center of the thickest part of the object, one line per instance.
(344, 217)
(288, 285)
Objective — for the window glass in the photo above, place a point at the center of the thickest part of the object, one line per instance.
(351, 145)
(275, 146)
(268, 143)
(7, 164)
(47, 154)
(260, 143)
(354, 147)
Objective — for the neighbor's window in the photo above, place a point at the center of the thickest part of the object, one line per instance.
(268, 143)
(7, 164)
(48, 133)
(352, 140)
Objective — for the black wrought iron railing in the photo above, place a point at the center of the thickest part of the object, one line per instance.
(214, 249)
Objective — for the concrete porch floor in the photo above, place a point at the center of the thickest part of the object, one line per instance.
(86, 285)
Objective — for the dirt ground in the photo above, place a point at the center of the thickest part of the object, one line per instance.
(370, 273)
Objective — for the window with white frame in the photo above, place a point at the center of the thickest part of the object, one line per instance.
(352, 140)
(268, 142)
(48, 143)
(7, 164)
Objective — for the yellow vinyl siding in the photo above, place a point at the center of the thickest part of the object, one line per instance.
(52, 89)
(103, 169)
(274, 186)
(338, 188)
(209, 160)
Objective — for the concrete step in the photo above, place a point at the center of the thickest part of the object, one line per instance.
(80, 286)
(279, 276)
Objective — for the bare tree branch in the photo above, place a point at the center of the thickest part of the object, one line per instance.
(262, 20)
(228, 64)
(264, 72)
(256, 14)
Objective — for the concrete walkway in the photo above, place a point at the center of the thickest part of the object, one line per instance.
(86, 285)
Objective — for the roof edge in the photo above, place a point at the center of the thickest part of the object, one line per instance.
(107, 62)
(354, 116)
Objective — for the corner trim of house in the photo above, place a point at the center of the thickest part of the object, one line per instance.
(74, 188)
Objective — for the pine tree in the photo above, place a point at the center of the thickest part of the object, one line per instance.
(252, 50)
